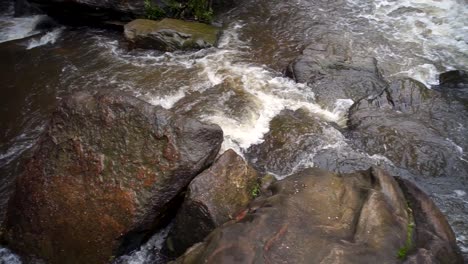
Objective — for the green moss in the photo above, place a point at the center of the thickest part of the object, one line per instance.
(402, 253)
(255, 190)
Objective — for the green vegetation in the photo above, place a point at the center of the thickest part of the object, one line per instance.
(255, 190)
(198, 9)
(175, 8)
(153, 12)
(201, 9)
(403, 252)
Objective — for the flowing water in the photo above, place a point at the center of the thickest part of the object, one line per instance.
(239, 85)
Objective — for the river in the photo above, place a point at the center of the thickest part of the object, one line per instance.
(239, 85)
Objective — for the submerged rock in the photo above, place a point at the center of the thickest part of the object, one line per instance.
(454, 84)
(299, 140)
(454, 79)
(316, 216)
(228, 96)
(334, 72)
(293, 136)
(214, 197)
(416, 128)
(170, 34)
(105, 172)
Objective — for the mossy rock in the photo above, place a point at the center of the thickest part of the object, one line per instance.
(170, 34)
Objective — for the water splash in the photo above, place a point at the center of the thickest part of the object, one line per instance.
(425, 37)
(166, 102)
(12, 28)
(265, 91)
(49, 38)
(8, 257)
(149, 252)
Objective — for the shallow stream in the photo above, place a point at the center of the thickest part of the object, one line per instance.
(240, 84)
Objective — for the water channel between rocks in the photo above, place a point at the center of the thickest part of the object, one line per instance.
(239, 85)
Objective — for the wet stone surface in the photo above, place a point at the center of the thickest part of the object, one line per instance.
(104, 174)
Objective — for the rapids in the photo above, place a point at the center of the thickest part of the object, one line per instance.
(239, 85)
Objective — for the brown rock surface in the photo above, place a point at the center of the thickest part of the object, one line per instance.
(316, 216)
(103, 175)
(214, 197)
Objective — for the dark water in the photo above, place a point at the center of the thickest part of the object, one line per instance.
(238, 85)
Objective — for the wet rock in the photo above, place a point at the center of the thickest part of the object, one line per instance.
(214, 197)
(454, 84)
(316, 216)
(416, 128)
(105, 172)
(229, 97)
(24, 8)
(292, 135)
(454, 79)
(434, 238)
(329, 66)
(46, 24)
(298, 140)
(170, 34)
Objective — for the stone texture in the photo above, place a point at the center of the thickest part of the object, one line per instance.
(170, 34)
(416, 128)
(103, 175)
(316, 216)
(434, 238)
(214, 197)
(298, 140)
(329, 66)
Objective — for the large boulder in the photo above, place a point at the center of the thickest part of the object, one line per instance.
(329, 66)
(316, 216)
(170, 34)
(214, 197)
(104, 174)
(416, 128)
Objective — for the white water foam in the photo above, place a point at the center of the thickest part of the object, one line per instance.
(8, 257)
(272, 92)
(272, 95)
(165, 101)
(148, 253)
(12, 28)
(49, 38)
(19, 145)
(268, 91)
(420, 31)
(424, 73)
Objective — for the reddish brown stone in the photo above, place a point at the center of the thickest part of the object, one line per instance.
(102, 176)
